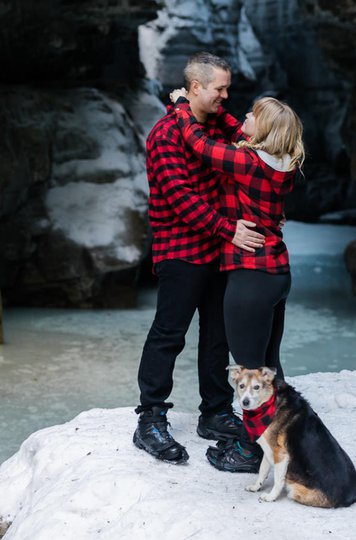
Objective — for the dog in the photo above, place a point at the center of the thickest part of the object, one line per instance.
(307, 460)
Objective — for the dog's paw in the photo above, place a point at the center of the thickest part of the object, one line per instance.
(253, 487)
(267, 497)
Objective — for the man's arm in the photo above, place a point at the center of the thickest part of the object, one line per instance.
(170, 171)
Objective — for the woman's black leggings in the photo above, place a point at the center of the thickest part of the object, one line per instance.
(254, 307)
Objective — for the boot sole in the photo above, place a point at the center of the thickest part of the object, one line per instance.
(251, 470)
(139, 444)
(212, 435)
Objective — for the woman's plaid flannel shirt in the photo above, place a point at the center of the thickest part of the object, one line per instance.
(252, 190)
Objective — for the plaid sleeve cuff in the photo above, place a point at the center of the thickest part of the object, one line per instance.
(228, 229)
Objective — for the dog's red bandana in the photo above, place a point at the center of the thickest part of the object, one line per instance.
(257, 421)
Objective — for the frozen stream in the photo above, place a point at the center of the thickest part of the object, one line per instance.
(56, 363)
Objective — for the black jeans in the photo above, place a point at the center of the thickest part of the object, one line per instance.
(254, 308)
(182, 288)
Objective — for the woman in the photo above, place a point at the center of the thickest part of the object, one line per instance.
(258, 173)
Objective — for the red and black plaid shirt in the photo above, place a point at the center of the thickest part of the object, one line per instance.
(184, 199)
(251, 190)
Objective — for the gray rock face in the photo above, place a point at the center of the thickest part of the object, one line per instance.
(320, 90)
(76, 42)
(334, 24)
(80, 218)
(182, 28)
(81, 85)
(276, 48)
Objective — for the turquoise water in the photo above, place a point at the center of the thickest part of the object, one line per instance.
(56, 363)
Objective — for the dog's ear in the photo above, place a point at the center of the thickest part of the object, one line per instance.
(268, 373)
(235, 371)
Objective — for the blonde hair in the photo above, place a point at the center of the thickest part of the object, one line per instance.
(278, 131)
(201, 67)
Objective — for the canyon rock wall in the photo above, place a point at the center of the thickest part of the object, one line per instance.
(81, 85)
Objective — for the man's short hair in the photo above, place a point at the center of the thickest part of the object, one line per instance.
(200, 67)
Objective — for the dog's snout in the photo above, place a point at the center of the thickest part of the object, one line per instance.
(245, 402)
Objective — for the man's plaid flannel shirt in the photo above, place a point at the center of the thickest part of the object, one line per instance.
(184, 202)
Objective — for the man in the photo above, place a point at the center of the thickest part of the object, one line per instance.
(187, 228)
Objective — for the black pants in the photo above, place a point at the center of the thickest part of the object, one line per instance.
(183, 288)
(254, 307)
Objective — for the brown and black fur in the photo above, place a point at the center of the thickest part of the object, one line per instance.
(318, 470)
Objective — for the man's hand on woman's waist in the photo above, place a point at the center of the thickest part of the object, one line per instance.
(246, 238)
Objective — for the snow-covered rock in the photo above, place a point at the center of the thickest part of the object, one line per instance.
(82, 231)
(85, 480)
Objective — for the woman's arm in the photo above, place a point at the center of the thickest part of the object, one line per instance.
(222, 157)
(229, 125)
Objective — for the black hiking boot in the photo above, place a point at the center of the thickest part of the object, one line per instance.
(152, 435)
(221, 426)
(235, 456)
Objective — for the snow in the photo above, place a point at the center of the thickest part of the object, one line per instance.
(250, 53)
(86, 480)
(95, 200)
(94, 214)
(176, 17)
(152, 40)
(146, 109)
